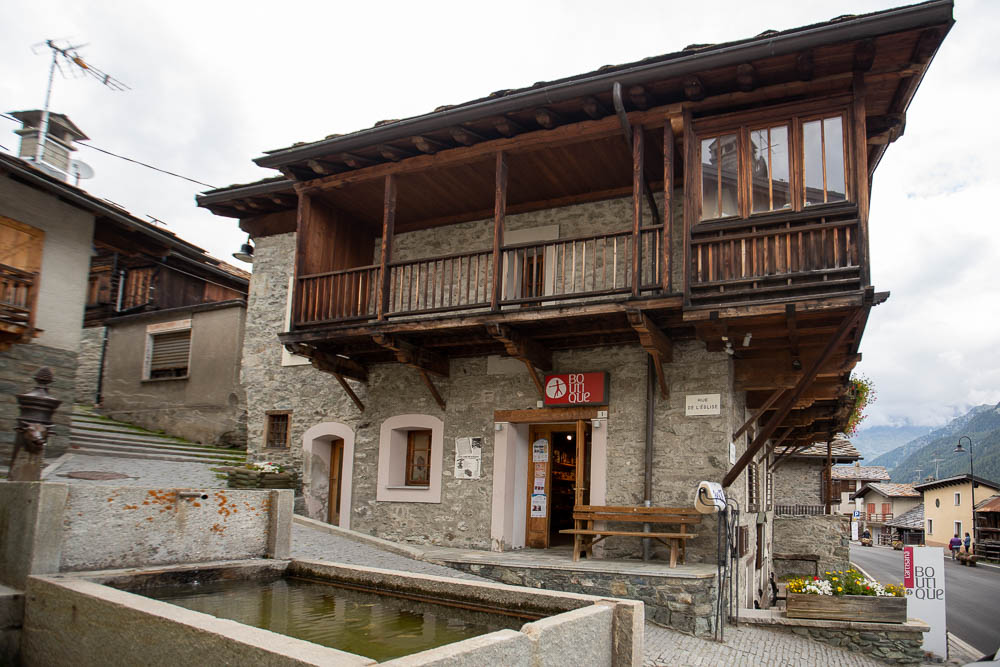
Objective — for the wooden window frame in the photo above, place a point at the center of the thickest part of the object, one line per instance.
(268, 425)
(410, 450)
(742, 124)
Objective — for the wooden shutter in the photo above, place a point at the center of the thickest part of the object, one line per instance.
(169, 357)
(21, 245)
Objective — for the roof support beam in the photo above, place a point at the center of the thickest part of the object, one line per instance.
(508, 127)
(388, 229)
(499, 213)
(656, 343)
(746, 77)
(332, 363)
(428, 145)
(432, 389)
(349, 391)
(548, 118)
(667, 245)
(418, 357)
(760, 411)
(532, 353)
(791, 398)
(465, 136)
(793, 336)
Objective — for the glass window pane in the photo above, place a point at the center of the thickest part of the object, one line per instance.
(833, 129)
(421, 439)
(709, 179)
(419, 475)
(729, 188)
(812, 162)
(769, 169)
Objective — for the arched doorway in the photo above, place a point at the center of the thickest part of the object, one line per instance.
(328, 466)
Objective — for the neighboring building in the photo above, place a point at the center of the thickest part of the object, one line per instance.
(988, 527)
(880, 502)
(846, 480)
(697, 262)
(908, 527)
(66, 257)
(948, 506)
(801, 476)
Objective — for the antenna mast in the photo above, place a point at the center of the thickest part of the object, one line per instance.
(72, 59)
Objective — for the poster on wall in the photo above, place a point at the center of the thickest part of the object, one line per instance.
(923, 577)
(538, 505)
(538, 487)
(540, 450)
(468, 457)
(539, 470)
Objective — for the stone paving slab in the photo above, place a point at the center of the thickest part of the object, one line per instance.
(140, 472)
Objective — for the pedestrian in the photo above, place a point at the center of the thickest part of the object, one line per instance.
(968, 541)
(955, 544)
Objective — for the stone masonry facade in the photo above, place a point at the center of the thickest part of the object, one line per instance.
(18, 365)
(89, 364)
(826, 536)
(799, 482)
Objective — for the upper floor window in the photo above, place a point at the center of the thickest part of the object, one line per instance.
(168, 350)
(786, 165)
(418, 457)
(958, 499)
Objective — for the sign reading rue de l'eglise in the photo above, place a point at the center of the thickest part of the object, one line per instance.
(576, 389)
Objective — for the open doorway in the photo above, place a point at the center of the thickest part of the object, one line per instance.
(558, 479)
(336, 480)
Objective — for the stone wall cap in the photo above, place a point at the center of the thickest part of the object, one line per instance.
(778, 617)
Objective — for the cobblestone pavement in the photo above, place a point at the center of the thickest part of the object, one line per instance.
(141, 472)
(746, 645)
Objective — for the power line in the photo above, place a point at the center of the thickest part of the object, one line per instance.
(128, 159)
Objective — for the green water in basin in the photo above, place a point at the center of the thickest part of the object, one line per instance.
(381, 627)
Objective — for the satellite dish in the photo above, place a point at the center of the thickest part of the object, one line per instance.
(80, 170)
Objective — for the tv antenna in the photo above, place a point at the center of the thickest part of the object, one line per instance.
(917, 472)
(68, 56)
(937, 467)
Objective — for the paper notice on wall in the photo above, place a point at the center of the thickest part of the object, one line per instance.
(539, 470)
(468, 457)
(538, 486)
(538, 505)
(540, 450)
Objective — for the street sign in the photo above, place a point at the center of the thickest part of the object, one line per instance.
(923, 577)
(857, 515)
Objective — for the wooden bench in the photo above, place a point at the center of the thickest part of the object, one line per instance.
(585, 535)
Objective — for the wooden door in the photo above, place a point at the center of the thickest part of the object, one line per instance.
(539, 487)
(336, 470)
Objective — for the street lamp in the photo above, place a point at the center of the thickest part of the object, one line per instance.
(960, 450)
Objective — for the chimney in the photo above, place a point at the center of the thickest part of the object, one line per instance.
(60, 142)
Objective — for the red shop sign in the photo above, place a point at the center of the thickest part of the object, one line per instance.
(576, 389)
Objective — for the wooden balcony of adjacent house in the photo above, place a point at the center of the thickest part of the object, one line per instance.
(18, 292)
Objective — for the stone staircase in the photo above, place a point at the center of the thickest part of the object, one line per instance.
(94, 435)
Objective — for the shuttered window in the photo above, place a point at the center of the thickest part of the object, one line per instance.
(169, 354)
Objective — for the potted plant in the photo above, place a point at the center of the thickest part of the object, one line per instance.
(262, 476)
(845, 595)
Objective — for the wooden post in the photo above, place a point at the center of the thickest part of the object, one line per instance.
(829, 474)
(638, 157)
(302, 216)
(692, 195)
(668, 192)
(499, 211)
(860, 142)
(388, 227)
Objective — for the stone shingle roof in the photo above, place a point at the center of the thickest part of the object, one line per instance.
(888, 490)
(991, 504)
(860, 472)
(913, 519)
(842, 449)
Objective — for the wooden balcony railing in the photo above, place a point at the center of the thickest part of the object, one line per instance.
(806, 252)
(17, 297)
(337, 295)
(436, 284)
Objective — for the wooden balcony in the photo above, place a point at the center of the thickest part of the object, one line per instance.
(18, 293)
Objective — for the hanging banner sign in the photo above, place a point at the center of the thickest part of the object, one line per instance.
(923, 577)
(576, 389)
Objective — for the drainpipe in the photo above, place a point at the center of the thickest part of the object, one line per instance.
(647, 492)
(99, 394)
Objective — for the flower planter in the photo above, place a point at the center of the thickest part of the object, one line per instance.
(244, 478)
(864, 608)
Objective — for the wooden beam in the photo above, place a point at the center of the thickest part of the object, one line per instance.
(791, 398)
(548, 118)
(593, 108)
(746, 77)
(860, 145)
(864, 55)
(508, 127)
(465, 136)
(543, 415)
(667, 245)
(499, 213)
(525, 349)
(885, 129)
(432, 388)
(640, 98)
(694, 90)
(349, 391)
(334, 363)
(638, 180)
(805, 66)
(775, 395)
(356, 161)
(321, 167)
(692, 197)
(793, 336)
(388, 229)
(393, 153)
(428, 145)
(655, 342)
(418, 357)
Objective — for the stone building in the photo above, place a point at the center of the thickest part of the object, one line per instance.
(600, 290)
(800, 480)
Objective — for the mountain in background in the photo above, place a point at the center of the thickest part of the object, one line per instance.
(981, 424)
(877, 440)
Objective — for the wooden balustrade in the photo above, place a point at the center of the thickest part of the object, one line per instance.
(17, 296)
(568, 268)
(337, 295)
(771, 256)
(435, 284)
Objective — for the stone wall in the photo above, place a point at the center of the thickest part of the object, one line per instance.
(18, 364)
(900, 645)
(827, 536)
(798, 482)
(89, 364)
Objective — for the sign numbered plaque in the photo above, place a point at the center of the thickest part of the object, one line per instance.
(576, 389)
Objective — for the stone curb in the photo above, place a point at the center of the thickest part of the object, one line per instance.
(354, 536)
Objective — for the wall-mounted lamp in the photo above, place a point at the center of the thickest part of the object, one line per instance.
(597, 423)
(246, 252)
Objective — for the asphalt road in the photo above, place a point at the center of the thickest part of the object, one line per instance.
(972, 594)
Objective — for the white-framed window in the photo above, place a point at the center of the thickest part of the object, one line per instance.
(168, 350)
(958, 528)
(958, 499)
(410, 459)
(930, 526)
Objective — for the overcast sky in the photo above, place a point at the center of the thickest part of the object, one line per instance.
(214, 84)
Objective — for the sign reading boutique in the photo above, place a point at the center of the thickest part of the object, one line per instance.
(923, 577)
(576, 389)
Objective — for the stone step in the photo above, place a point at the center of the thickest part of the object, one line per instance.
(151, 438)
(117, 453)
(109, 427)
(141, 447)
